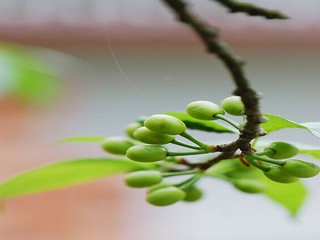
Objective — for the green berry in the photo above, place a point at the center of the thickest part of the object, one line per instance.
(204, 110)
(233, 105)
(131, 128)
(143, 178)
(165, 124)
(147, 153)
(277, 175)
(116, 145)
(249, 185)
(145, 135)
(281, 150)
(300, 168)
(193, 194)
(165, 196)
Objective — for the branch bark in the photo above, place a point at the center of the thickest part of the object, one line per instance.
(251, 9)
(234, 63)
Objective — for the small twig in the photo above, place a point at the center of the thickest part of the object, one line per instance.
(251, 9)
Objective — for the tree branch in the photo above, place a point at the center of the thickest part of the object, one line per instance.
(251, 9)
(234, 63)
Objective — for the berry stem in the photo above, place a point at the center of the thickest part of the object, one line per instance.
(257, 165)
(228, 120)
(185, 145)
(189, 182)
(192, 139)
(268, 160)
(173, 174)
(264, 152)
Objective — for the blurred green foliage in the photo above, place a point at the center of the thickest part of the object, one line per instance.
(24, 77)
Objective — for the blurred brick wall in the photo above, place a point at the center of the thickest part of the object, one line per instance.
(93, 23)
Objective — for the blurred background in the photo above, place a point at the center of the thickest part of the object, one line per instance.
(80, 67)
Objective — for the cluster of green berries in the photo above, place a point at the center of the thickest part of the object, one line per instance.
(157, 130)
(279, 168)
(154, 132)
(160, 193)
(162, 129)
(206, 110)
(148, 137)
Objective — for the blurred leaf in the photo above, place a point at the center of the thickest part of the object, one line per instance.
(192, 123)
(35, 86)
(82, 139)
(315, 153)
(224, 167)
(233, 168)
(64, 174)
(30, 81)
(290, 196)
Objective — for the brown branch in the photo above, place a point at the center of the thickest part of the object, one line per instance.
(234, 63)
(220, 157)
(251, 9)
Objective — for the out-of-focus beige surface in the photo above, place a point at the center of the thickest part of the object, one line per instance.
(91, 211)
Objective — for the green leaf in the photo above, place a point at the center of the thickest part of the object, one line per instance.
(315, 153)
(224, 167)
(64, 174)
(202, 125)
(275, 123)
(290, 196)
(82, 139)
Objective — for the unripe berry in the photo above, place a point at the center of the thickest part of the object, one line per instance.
(165, 124)
(165, 196)
(193, 194)
(131, 128)
(281, 150)
(276, 174)
(143, 178)
(233, 105)
(116, 145)
(204, 110)
(249, 185)
(145, 135)
(147, 153)
(300, 168)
